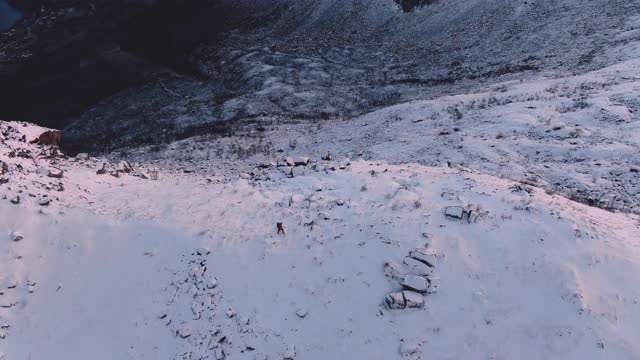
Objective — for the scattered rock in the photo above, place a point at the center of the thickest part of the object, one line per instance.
(219, 354)
(339, 202)
(245, 176)
(82, 156)
(416, 283)
(327, 157)
(417, 267)
(15, 200)
(324, 216)
(456, 212)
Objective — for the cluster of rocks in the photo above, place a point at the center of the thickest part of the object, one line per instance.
(414, 275)
(123, 167)
(213, 329)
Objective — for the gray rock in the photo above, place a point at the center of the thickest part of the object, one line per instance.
(16, 236)
(456, 212)
(395, 301)
(395, 270)
(413, 299)
(82, 156)
(424, 255)
(416, 283)
(417, 267)
(203, 251)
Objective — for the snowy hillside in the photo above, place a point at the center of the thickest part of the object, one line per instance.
(118, 265)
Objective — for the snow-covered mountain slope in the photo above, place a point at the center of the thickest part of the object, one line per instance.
(188, 267)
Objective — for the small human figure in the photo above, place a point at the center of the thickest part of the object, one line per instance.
(280, 228)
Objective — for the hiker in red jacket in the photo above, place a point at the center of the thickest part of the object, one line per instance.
(280, 228)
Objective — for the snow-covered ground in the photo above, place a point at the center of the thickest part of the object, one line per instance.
(189, 266)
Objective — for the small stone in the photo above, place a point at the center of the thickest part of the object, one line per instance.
(290, 353)
(213, 283)
(324, 216)
(340, 202)
(302, 313)
(15, 200)
(245, 176)
(203, 251)
(407, 349)
(82, 156)
(230, 313)
(56, 173)
(184, 332)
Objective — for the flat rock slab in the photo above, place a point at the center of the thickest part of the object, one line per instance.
(456, 212)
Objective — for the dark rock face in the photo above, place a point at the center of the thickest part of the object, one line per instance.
(65, 55)
(409, 5)
(8, 16)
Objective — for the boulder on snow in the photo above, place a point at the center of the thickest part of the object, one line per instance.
(416, 283)
(302, 312)
(456, 212)
(290, 353)
(417, 267)
(407, 348)
(413, 299)
(103, 170)
(56, 173)
(404, 300)
(50, 138)
(344, 164)
(327, 157)
(424, 255)
(245, 176)
(184, 332)
(82, 156)
(301, 160)
(15, 200)
(395, 301)
(15, 236)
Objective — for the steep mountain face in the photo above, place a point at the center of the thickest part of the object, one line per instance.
(140, 71)
(66, 55)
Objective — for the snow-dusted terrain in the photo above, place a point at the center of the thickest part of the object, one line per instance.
(118, 265)
(458, 181)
